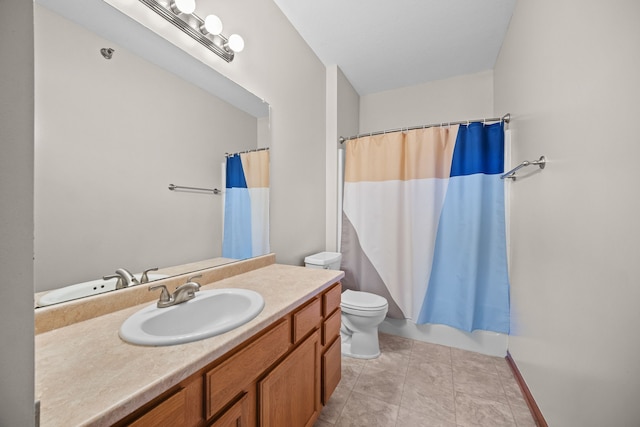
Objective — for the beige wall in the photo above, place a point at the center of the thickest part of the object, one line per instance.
(16, 214)
(568, 73)
(110, 136)
(457, 98)
(342, 120)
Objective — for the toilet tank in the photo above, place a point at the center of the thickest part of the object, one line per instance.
(325, 260)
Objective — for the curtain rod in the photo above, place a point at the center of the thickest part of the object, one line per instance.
(506, 118)
(246, 151)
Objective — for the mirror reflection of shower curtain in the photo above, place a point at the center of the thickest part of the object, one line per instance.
(424, 224)
(246, 205)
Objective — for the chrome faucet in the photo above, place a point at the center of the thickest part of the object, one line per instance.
(125, 278)
(182, 293)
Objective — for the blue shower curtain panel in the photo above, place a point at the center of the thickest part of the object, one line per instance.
(469, 285)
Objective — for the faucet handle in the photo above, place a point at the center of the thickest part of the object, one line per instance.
(165, 298)
(120, 284)
(186, 291)
(190, 279)
(145, 275)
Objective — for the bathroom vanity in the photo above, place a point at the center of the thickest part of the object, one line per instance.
(276, 370)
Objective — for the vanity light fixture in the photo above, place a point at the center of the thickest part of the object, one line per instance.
(207, 32)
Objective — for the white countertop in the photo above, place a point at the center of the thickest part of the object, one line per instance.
(86, 375)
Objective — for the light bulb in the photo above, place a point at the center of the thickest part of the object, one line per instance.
(235, 43)
(183, 6)
(212, 25)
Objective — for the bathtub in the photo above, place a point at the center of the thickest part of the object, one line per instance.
(485, 342)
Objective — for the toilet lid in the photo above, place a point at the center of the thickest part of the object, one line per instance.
(362, 300)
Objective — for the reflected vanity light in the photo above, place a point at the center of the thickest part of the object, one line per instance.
(183, 6)
(207, 32)
(212, 25)
(235, 43)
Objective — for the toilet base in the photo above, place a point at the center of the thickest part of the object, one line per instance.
(371, 350)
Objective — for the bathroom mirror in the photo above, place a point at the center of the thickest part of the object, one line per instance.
(111, 135)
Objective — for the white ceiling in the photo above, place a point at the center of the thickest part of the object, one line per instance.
(382, 44)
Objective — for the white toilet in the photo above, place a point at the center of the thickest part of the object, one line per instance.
(362, 312)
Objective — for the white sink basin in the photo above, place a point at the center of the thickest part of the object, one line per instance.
(211, 312)
(85, 289)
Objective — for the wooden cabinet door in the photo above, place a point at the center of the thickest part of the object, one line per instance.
(181, 407)
(169, 413)
(331, 370)
(236, 416)
(290, 394)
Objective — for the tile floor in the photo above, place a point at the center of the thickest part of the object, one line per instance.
(416, 384)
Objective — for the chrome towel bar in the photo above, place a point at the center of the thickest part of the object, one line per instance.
(180, 187)
(512, 173)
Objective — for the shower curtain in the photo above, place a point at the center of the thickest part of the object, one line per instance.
(246, 208)
(424, 224)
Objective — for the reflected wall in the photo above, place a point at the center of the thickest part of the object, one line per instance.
(110, 135)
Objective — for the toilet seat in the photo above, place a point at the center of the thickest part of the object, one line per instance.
(362, 301)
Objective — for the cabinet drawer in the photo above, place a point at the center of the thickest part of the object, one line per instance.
(171, 412)
(331, 327)
(331, 299)
(331, 370)
(228, 379)
(306, 319)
